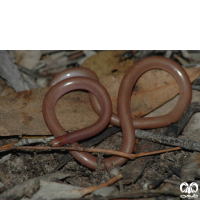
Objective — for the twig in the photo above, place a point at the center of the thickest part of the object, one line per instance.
(185, 144)
(73, 52)
(108, 132)
(8, 147)
(28, 141)
(44, 52)
(174, 128)
(155, 152)
(97, 150)
(93, 188)
(75, 56)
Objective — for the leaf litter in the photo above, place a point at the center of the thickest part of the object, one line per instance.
(22, 166)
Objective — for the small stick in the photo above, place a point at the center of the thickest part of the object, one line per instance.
(73, 52)
(109, 182)
(97, 150)
(45, 52)
(8, 146)
(91, 142)
(73, 57)
(185, 144)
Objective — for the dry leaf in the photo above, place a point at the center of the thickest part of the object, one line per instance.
(21, 113)
(7, 90)
(153, 88)
(51, 190)
(107, 63)
(28, 59)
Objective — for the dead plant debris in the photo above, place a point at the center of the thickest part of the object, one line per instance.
(41, 172)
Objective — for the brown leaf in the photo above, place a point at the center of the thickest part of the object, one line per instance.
(107, 63)
(21, 113)
(153, 88)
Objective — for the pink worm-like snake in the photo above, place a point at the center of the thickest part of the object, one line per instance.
(83, 78)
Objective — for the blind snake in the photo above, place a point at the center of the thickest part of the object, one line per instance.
(84, 78)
